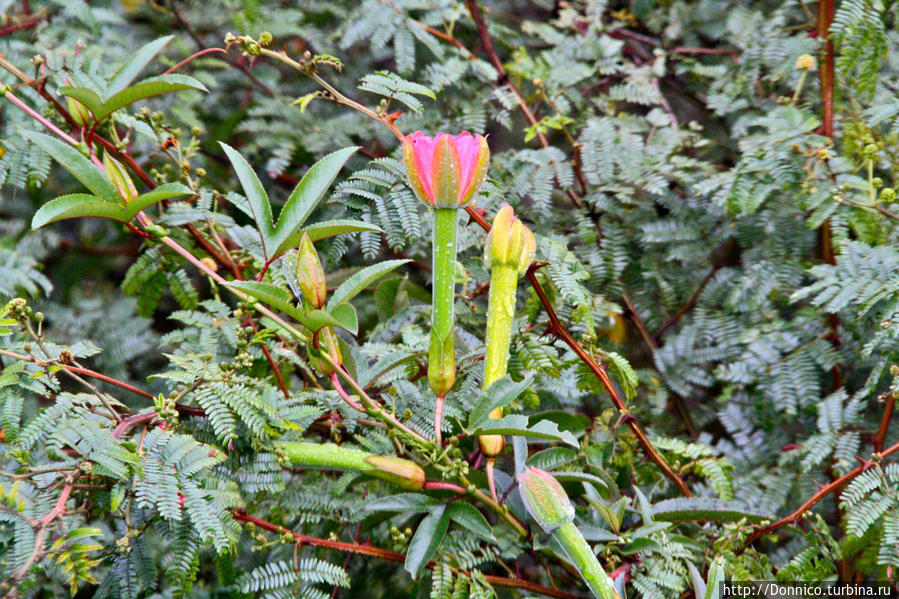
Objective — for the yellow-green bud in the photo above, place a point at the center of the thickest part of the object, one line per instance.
(327, 344)
(310, 274)
(545, 499)
(81, 116)
(406, 474)
(119, 177)
(509, 242)
(888, 195)
(492, 445)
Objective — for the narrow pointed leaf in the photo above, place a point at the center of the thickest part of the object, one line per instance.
(272, 296)
(362, 279)
(426, 540)
(518, 425)
(346, 315)
(76, 205)
(86, 96)
(77, 164)
(256, 197)
(81, 205)
(325, 229)
(159, 193)
(142, 90)
(279, 299)
(500, 394)
(470, 519)
(308, 193)
(131, 69)
(704, 508)
(402, 502)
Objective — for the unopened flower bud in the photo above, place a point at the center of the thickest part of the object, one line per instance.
(119, 177)
(406, 474)
(310, 275)
(492, 445)
(509, 242)
(81, 116)
(327, 344)
(545, 499)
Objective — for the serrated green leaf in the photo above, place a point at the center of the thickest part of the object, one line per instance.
(331, 228)
(152, 86)
(426, 540)
(402, 502)
(346, 315)
(681, 509)
(518, 425)
(552, 458)
(77, 164)
(132, 68)
(80, 205)
(257, 198)
(307, 195)
(354, 285)
(470, 519)
(500, 394)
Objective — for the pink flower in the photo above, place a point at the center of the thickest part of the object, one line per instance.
(445, 171)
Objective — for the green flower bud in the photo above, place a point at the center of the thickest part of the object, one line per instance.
(405, 474)
(310, 274)
(509, 242)
(888, 195)
(81, 116)
(546, 502)
(119, 177)
(545, 499)
(327, 343)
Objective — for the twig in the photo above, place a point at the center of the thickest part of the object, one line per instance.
(823, 492)
(885, 422)
(393, 556)
(29, 23)
(690, 303)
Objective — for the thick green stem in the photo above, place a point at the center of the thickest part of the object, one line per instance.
(401, 472)
(500, 315)
(582, 556)
(441, 357)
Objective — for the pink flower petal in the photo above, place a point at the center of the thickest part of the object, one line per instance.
(468, 147)
(423, 155)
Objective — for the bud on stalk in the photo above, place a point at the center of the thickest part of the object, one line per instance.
(406, 474)
(119, 177)
(310, 274)
(327, 343)
(549, 506)
(81, 116)
(508, 252)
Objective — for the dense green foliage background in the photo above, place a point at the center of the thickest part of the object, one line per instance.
(723, 245)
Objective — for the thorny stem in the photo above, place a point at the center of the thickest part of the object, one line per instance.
(823, 492)
(393, 556)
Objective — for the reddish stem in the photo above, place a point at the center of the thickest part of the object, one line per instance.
(436, 485)
(393, 556)
(193, 56)
(335, 380)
